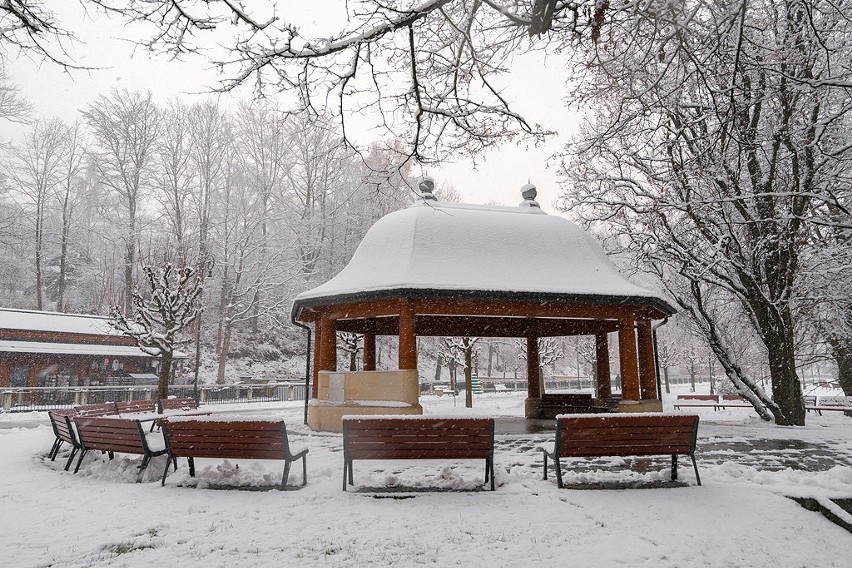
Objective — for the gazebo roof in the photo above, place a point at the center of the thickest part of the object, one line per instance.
(448, 250)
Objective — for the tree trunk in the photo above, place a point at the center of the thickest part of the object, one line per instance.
(842, 355)
(223, 350)
(129, 261)
(63, 256)
(438, 365)
(165, 374)
(666, 379)
(38, 275)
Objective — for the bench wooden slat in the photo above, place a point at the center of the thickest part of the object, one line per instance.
(221, 439)
(100, 409)
(63, 429)
(418, 438)
(136, 406)
(188, 403)
(414, 454)
(623, 435)
(114, 435)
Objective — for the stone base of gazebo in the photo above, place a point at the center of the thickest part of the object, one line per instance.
(645, 405)
(362, 393)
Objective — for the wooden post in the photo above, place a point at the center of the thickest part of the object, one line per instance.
(369, 352)
(327, 345)
(627, 356)
(407, 337)
(316, 369)
(5, 374)
(647, 370)
(604, 381)
(534, 386)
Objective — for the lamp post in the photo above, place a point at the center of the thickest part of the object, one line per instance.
(205, 267)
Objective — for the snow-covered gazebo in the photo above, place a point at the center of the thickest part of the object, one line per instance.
(448, 269)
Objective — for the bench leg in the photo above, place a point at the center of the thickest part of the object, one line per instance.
(674, 467)
(544, 454)
(54, 449)
(169, 460)
(304, 470)
(80, 460)
(286, 474)
(489, 469)
(695, 466)
(70, 459)
(145, 460)
(559, 482)
(347, 470)
(191, 462)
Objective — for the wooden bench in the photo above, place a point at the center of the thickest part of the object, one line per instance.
(100, 409)
(115, 435)
(136, 407)
(63, 429)
(829, 403)
(187, 403)
(551, 405)
(623, 435)
(398, 438)
(254, 440)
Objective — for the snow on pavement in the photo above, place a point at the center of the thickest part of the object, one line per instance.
(739, 517)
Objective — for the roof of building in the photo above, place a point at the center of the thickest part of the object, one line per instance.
(51, 348)
(31, 320)
(435, 249)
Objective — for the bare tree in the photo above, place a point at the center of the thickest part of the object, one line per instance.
(125, 125)
(161, 314)
(173, 150)
(70, 192)
(717, 134)
(36, 171)
(262, 151)
(350, 344)
(13, 107)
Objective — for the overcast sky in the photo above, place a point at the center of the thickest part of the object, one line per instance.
(117, 63)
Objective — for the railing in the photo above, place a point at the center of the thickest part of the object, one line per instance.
(25, 399)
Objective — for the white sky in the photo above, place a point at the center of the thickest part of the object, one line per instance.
(117, 63)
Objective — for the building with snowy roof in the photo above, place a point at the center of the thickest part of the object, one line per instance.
(447, 269)
(39, 349)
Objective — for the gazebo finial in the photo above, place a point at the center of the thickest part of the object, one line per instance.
(427, 187)
(528, 192)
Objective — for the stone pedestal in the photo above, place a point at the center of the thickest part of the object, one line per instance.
(363, 393)
(644, 405)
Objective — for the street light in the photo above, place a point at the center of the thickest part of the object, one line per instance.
(205, 268)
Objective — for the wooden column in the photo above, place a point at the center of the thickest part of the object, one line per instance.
(627, 357)
(604, 381)
(647, 370)
(327, 345)
(316, 365)
(5, 373)
(369, 352)
(32, 372)
(534, 387)
(407, 337)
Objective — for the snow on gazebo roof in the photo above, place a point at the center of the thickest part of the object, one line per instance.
(451, 250)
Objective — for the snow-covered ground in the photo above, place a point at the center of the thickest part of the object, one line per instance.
(740, 516)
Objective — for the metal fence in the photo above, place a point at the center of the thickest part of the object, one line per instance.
(26, 399)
